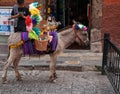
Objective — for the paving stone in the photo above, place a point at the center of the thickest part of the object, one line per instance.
(68, 82)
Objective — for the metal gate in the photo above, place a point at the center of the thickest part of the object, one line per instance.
(111, 63)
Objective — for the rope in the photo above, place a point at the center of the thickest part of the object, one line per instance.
(76, 35)
(99, 40)
(16, 45)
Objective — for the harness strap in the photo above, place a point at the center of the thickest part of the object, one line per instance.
(76, 35)
(16, 45)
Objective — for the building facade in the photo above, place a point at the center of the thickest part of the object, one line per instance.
(99, 15)
(111, 20)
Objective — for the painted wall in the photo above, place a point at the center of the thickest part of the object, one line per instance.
(111, 20)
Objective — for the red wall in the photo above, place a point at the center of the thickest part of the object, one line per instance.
(111, 20)
(12, 2)
(111, 1)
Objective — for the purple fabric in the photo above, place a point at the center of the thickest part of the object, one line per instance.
(29, 48)
(24, 37)
(54, 41)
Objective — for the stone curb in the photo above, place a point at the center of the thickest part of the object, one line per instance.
(58, 67)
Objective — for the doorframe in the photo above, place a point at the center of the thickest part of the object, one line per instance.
(90, 22)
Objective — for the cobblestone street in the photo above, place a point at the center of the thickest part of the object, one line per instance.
(76, 73)
(68, 82)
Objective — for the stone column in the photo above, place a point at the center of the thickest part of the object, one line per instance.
(96, 17)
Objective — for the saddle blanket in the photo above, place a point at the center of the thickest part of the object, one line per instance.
(29, 47)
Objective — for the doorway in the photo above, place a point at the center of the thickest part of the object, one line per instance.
(69, 10)
(78, 10)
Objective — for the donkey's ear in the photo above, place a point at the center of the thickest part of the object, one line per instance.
(74, 22)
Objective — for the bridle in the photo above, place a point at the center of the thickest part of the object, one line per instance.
(76, 36)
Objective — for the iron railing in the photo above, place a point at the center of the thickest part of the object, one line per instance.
(111, 63)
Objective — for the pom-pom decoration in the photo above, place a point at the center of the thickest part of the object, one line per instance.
(35, 4)
(85, 28)
(34, 11)
(37, 31)
(76, 26)
(34, 20)
(33, 35)
(79, 26)
(39, 6)
(29, 27)
(29, 24)
(28, 20)
(32, 5)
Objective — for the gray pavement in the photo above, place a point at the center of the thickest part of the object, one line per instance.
(77, 60)
(76, 72)
(68, 82)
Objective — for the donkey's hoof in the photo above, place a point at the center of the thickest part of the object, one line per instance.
(52, 80)
(4, 80)
(19, 79)
(55, 75)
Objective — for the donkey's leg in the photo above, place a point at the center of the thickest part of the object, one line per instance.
(9, 62)
(15, 64)
(52, 66)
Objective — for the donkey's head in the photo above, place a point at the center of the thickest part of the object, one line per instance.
(81, 34)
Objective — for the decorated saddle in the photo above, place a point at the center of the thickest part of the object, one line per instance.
(29, 47)
(39, 38)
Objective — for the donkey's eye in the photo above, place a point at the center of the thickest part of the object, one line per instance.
(85, 34)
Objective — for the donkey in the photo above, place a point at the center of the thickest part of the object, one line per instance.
(65, 38)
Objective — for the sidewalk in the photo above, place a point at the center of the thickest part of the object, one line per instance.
(75, 60)
(82, 77)
(68, 82)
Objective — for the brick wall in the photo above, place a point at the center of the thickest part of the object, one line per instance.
(7, 2)
(27, 2)
(111, 20)
(12, 2)
(111, 1)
